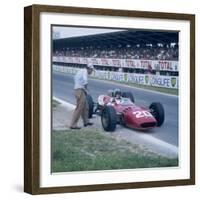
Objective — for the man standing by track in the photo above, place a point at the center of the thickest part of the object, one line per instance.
(80, 87)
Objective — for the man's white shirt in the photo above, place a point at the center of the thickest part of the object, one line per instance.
(81, 79)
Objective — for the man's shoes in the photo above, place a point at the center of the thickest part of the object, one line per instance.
(88, 124)
(76, 127)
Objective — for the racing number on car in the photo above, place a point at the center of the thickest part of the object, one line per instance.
(140, 114)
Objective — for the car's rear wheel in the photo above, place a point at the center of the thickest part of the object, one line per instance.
(128, 95)
(109, 118)
(157, 110)
(90, 105)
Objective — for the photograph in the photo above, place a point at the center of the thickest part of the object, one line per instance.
(109, 99)
(114, 98)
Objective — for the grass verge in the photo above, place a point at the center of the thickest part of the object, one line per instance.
(88, 150)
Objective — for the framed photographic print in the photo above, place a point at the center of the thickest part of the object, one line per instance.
(109, 99)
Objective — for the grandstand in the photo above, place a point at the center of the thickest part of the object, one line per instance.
(131, 51)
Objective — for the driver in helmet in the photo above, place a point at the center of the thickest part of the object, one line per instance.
(117, 96)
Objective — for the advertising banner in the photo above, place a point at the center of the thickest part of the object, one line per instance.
(159, 65)
(140, 79)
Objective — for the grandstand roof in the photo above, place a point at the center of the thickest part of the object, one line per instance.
(123, 38)
(74, 31)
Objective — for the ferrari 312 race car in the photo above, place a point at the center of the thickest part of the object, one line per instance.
(119, 108)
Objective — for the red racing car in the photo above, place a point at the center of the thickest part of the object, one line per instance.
(119, 108)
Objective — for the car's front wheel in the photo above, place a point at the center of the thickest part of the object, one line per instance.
(90, 105)
(109, 118)
(157, 110)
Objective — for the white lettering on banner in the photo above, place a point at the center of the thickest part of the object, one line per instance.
(141, 79)
(104, 62)
(84, 61)
(116, 62)
(136, 78)
(77, 60)
(165, 65)
(101, 74)
(130, 63)
(160, 81)
(160, 65)
(117, 76)
(95, 61)
(145, 64)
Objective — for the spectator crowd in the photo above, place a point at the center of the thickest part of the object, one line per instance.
(148, 52)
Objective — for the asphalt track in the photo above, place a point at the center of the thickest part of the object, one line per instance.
(62, 87)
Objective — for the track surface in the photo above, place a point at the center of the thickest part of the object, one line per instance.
(62, 87)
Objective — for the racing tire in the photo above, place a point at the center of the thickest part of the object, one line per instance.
(157, 110)
(128, 95)
(90, 105)
(109, 118)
